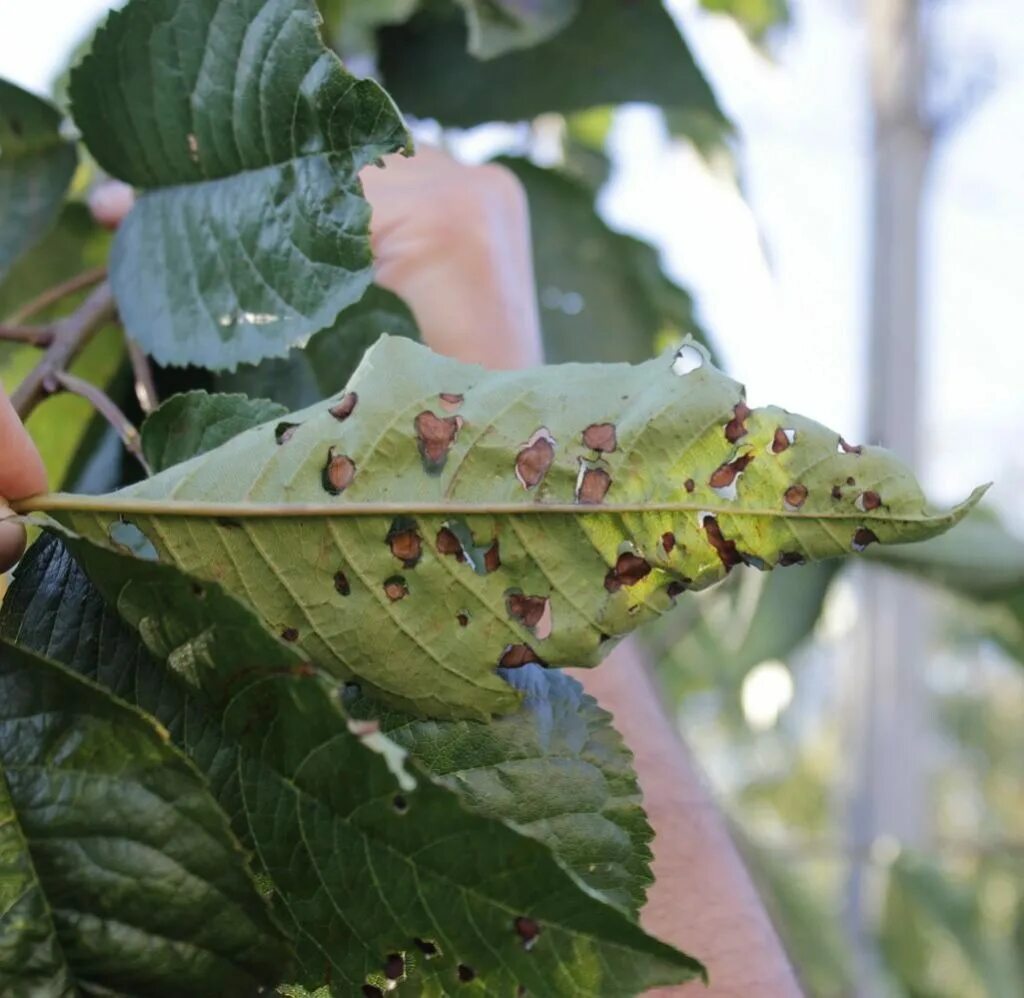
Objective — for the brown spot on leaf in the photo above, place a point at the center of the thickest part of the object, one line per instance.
(725, 474)
(528, 610)
(394, 966)
(528, 930)
(668, 541)
(290, 634)
(466, 973)
(405, 542)
(782, 439)
(726, 549)
(787, 558)
(492, 558)
(795, 496)
(846, 448)
(448, 543)
(600, 437)
(341, 583)
(837, 492)
(535, 458)
(228, 523)
(862, 537)
(868, 501)
(628, 571)
(676, 587)
(338, 472)
(736, 428)
(345, 407)
(450, 401)
(592, 486)
(689, 485)
(462, 617)
(851, 480)
(283, 432)
(395, 588)
(516, 656)
(435, 436)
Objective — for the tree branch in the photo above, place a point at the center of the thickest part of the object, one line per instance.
(36, 336)
(145, 387)
(106, 407)
(51, 295)
(69, 336)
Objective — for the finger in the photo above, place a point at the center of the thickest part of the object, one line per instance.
(12, 543)
(21, 468)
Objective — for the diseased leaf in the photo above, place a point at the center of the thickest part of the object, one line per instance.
(603, 295)
(36, 167)
(556, 769)
(196, 422)
(247, 134)
(325, 364)
(610, 53)
(497, 27)
(556, 509)
(119, 872)
(363, 866)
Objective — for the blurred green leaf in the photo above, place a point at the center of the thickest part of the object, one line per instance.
(497, 27)
(756, 17)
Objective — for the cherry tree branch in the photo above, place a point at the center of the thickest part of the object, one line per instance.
(86, 279)
(145, 387)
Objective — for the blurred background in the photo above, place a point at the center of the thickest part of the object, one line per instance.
(829, 192)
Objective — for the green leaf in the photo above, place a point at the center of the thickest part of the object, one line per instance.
(497, 27)
(119, 872)
(36, 167)
(196, 422)
(435, 491)
(363, 866)
(556, 769)
(248, 136)
(611, 53)
(324, 366)
(603, 295)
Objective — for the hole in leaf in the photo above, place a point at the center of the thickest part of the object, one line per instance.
(687, 360)
(534, 458)
(628, 571)
(341, 584)
(394, 966)
(400, 804)
(450, 401)
(724, 478)
(868, 501)
(782, 439)
(787, 558)
(405, 542)
(344, 408)
(193, 147)
(426, 947)
(516, 656)
(795, 496)
(466, 974)
(283, 432)
(448, 543)
(677, 587)
(736, 428)
(396, 588)
(533, 612)
(126, 536)
(843, 447)
(528, 931)
(435, 436)
(338, 472)
(592, 485)
(600, 437)
(726, 549)
(862, 537)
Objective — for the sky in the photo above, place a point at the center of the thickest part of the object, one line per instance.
(779, 272)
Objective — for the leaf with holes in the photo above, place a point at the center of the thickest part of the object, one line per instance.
(248, 135)
(381, 875)
(36, 167)
(551, 510)
(120, 874)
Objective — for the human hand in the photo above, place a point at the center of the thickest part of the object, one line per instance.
(21, 475)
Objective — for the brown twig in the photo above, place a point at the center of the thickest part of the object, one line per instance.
(86, 279)
(36, 336)
(145, 387)
(105, 406)
(69, 336)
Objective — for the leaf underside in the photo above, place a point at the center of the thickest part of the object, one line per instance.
(247, 135)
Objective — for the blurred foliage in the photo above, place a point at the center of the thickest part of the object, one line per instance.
(756, 17)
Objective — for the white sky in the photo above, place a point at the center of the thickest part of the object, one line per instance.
(780, 278)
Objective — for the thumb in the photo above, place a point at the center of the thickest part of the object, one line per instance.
(12, 538)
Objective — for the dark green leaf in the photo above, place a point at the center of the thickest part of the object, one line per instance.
(194, 422)
(603, 295)
(325, 364)
(362, 865)
(248, 136)
(613, 52)
(557, 770)
(36, 166)
(119, 872)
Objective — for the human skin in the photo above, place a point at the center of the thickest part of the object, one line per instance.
(454, 242)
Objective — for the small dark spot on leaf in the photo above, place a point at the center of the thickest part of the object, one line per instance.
(837, 492)
(405, 542)
(338, 472)
(592, 486)
(228, 523)
(399, 803)
(846, 448)
(466, 974)
(781, 440)
(725, 474)
(290, 634)
(527, 929)
(435, 436)
(528, 610)
(426, 947)
(602, 638)
(198, 591)
(868, 501)
(448, 543)
(283, 432)
(795, 496)
(394, 966)
(787, 558)
(668, 541)
(341, 583)
(851, 480)
(628, 571)
(535, 458)
(677, 587)
(726, 549)
(492, 558)
(343, 409)
(515, 656)
(462, 617)
(600, 437)
(450, 401)
(689, 485)
(372, 991)
(737, 426)
(862, 537)
(395, 588)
